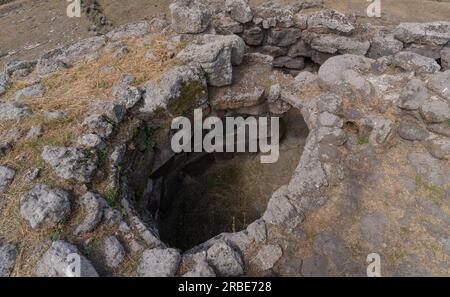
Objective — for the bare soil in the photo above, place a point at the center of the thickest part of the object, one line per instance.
(29, 27)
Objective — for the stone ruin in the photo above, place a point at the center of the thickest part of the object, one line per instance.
(350, 84)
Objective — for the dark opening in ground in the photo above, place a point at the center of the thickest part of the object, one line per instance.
(204, 195)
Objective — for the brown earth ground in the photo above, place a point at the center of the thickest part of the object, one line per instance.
(28, 28)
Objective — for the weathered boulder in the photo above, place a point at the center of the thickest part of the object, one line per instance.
(301, 20)
(331, 135)
(330, 120)
(257, 231)
(127, 94)
(56, 262)
(189, 17)
(273, 14)
(82, 49)
(18, 69)
(91, 141)
(130, 30)
(70, 163)
(413, 95)
(327, 19)
(345, 74)
(440, 83)
(331, 73)
(237, 45)
(436, 111)
(93, 209)
(55, 115)
(430, 51)
(445, 59)
(48, 65)
(215, 60)
(225, 260)
(13, 110)
(441, 129)
(276, 104)
(248, 87)
(381, 129)
(253, 36)
(44, 207)
(413, 62)
(268, 256)
(113, 111)
(300, 49)
(7, 175)
(34, 132)
(335, 44)
(309, 176)
(98, 124)
(148, 234)
(201, 267)
(180, 90)
(382, 46)
(37, 90)
(239, 10)
(4, 83)
(32, 174)
(412, 131)
(8, 139)
(280, 211)
(439, 147)
(8, 255)
(283, 36)
(225, 25)
(159, 263)
(114, 252)
(437, 33)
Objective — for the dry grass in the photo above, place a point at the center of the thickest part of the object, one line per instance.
(72, 91)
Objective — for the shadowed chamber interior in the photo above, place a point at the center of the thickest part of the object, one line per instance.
(197, 196)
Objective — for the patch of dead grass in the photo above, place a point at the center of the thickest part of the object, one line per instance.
(71, 91)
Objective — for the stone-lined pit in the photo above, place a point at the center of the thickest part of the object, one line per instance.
(196, 196)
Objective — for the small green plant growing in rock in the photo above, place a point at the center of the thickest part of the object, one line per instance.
(363, 140)
(102, 158)
(394, 66)
(91, 246)
(150, 142)
(112, 197)
(5, 1)
(103, 85)
(56, 235)
(190, 92)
